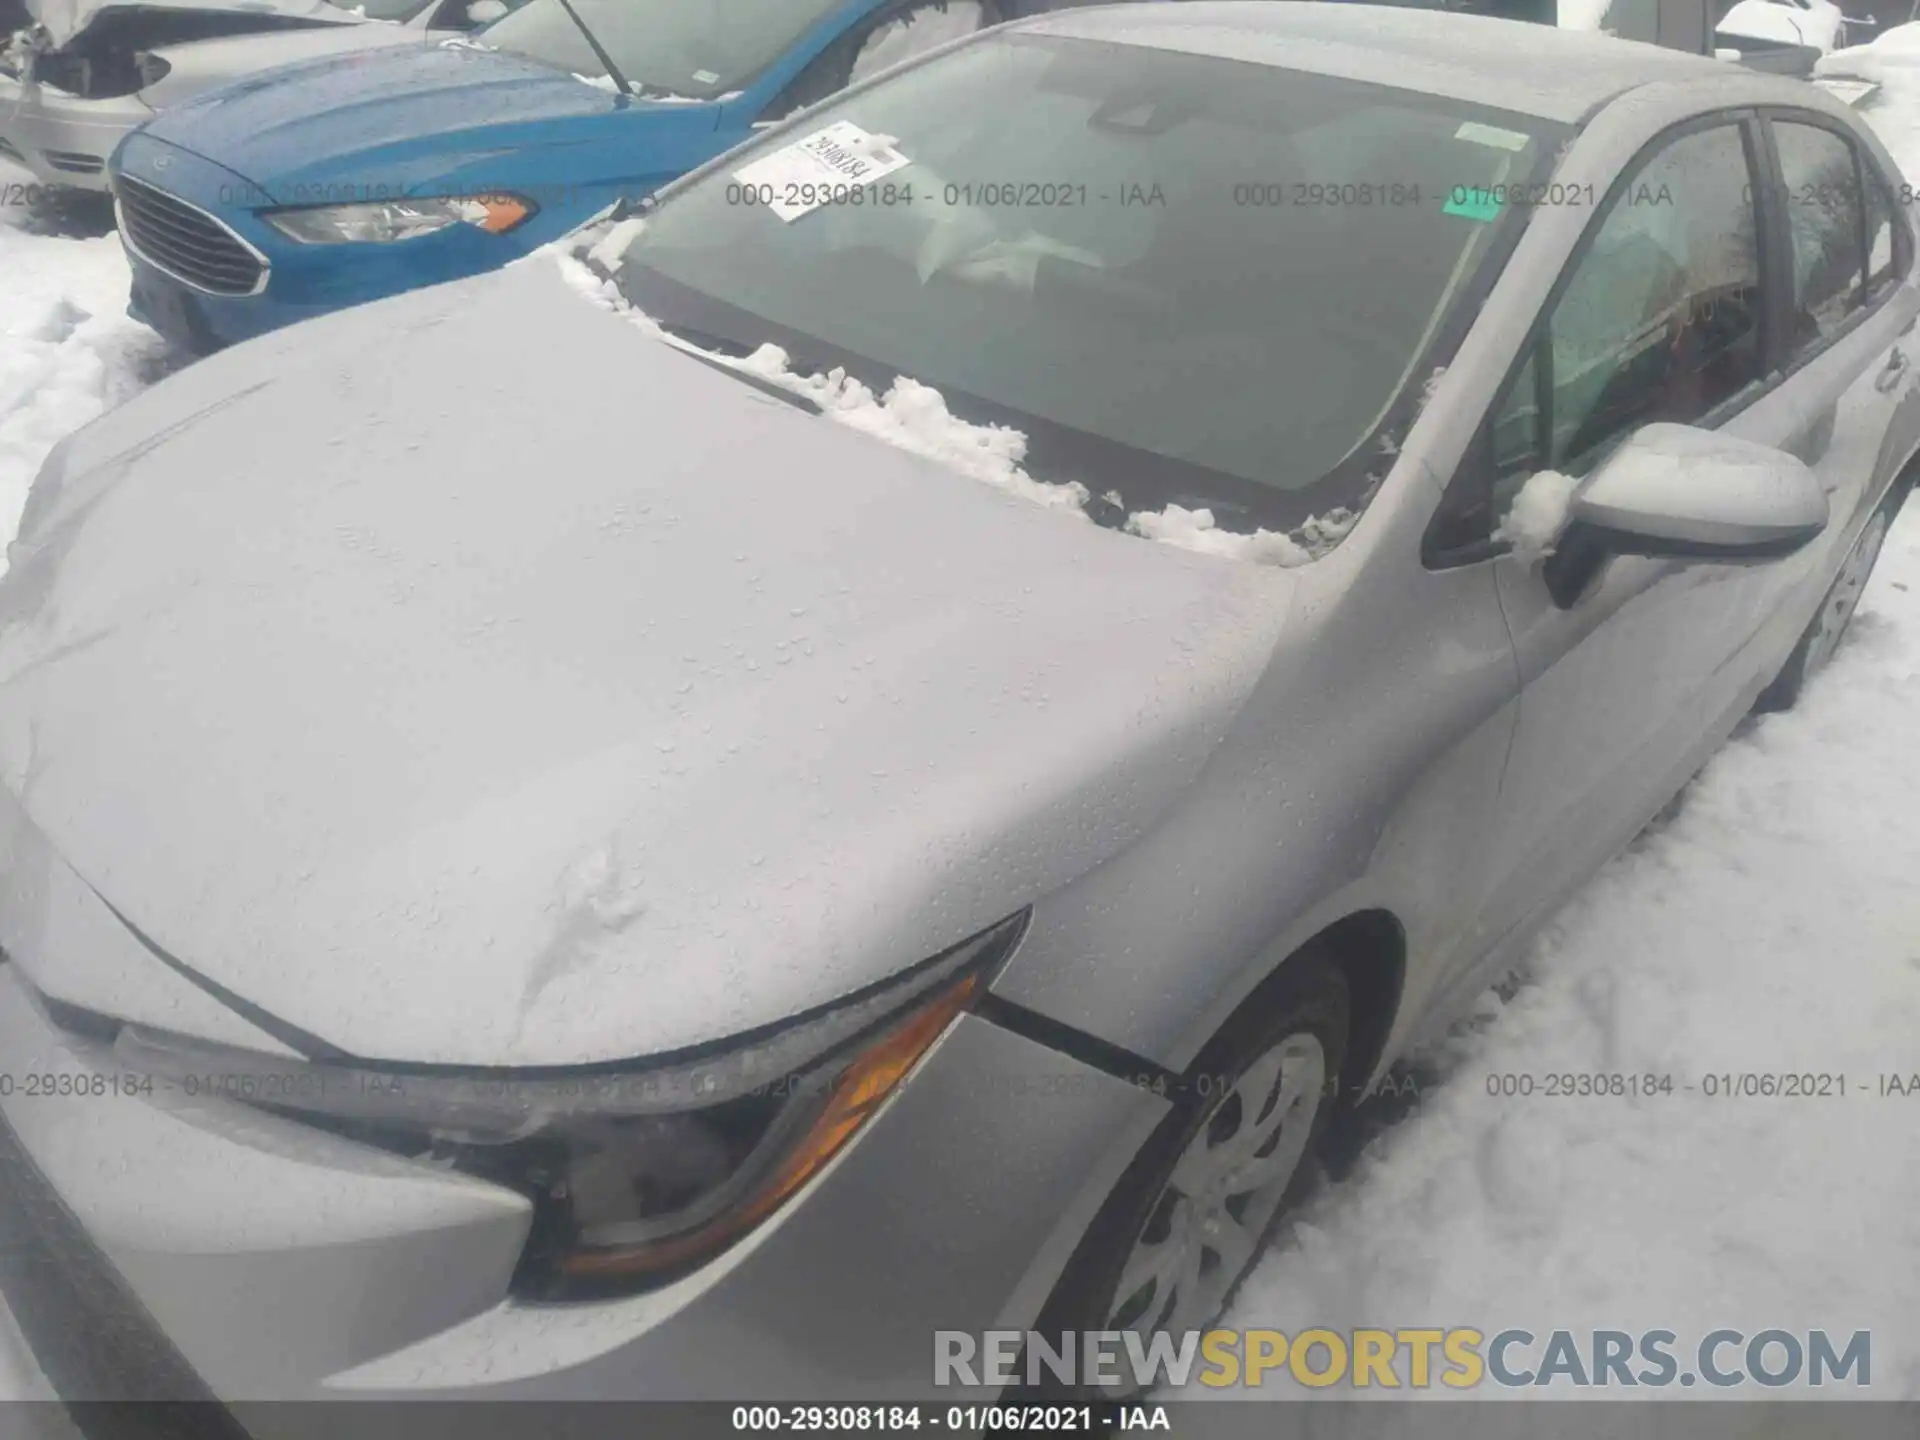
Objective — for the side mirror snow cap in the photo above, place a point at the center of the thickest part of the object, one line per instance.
(1678, 490)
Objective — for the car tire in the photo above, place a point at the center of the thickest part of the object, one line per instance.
(1287, 1044)
(1823, 634)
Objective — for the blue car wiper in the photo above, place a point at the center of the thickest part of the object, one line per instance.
(599, 50)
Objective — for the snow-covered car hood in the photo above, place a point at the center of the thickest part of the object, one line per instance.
(64, 19)
(457, 709)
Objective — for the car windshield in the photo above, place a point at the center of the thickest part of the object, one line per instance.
(701, 48)
(1189, 280)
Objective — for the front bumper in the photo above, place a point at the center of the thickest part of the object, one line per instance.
(87, 1328)
(166, 1248)
(61, 138)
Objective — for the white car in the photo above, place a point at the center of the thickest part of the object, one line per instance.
(86, 72)
(543, 860)
(1819, 24)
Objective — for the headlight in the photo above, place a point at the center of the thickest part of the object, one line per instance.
(636, 1174)
(381, 222)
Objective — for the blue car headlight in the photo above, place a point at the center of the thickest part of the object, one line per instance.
(381, 222)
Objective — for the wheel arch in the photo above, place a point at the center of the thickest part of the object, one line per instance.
(1369, 949)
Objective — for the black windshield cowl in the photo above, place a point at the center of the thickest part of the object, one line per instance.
(746, 377)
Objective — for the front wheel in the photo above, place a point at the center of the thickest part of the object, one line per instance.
(1185, 1224)
(1823, 633)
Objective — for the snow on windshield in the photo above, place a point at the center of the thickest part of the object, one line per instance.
(915, 417)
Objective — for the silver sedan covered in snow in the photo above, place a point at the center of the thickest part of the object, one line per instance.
(879, 747)
(86, 72)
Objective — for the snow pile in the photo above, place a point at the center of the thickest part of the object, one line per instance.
(1583, 14)
(607, 251)
(1538, 514)
(915, 417)
(1892, 54)
(68, 351)
(1197, 530)
(1769, 925)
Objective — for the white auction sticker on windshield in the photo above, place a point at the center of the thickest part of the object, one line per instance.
(1491, 135)
(822, 169)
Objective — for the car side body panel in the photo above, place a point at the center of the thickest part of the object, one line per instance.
(1416, 829)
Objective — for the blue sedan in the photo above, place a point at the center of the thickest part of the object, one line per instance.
(350, 178)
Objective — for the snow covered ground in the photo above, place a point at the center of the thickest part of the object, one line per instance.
(1770, 923)
(67, 348)
(67, 351)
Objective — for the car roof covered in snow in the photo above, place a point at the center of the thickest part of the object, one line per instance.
(1531, 69)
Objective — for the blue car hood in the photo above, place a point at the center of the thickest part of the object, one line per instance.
(406, 115)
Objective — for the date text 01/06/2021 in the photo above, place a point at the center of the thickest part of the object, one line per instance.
(971, 1419)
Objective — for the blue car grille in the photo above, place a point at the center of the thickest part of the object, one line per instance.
(186, 242)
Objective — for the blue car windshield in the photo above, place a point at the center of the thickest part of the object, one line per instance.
(701, 48)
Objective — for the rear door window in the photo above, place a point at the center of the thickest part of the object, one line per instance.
(1826, 222)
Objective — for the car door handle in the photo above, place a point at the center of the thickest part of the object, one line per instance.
(1891, 372)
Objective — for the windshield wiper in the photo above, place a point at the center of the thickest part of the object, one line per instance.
(753, 381)
(599, 50)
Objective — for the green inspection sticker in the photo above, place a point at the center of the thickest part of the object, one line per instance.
(1471, 203)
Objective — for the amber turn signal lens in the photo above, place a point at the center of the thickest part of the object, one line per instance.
(502, 213)
(853, 1098)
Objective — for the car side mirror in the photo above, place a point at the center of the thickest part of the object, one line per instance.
(1698, 494)
(485, 12)
(1674, 491)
